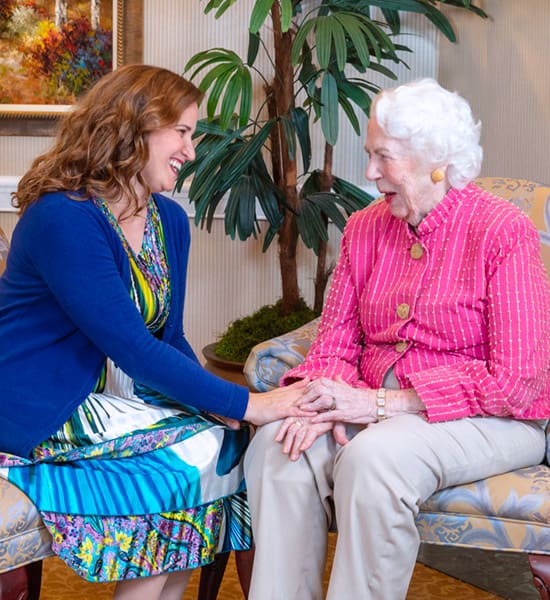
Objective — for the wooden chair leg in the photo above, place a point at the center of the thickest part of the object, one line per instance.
(211, 577)
(14, 585)
(34, 577)
(244, 560)
(22, 583)
(540, 567)
(212, 574)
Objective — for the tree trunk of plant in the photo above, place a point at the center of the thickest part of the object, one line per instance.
(322, 273)
(284, 169)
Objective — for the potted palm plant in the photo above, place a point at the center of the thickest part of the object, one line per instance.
(322, 53)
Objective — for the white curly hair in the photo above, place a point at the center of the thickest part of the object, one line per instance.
(436, 124)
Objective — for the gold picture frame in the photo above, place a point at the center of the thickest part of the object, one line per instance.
(40, 120)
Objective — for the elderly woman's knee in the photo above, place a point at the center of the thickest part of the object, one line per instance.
(265, 435)
(263, 447)
(378, 452)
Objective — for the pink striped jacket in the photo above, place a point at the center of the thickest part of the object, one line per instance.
(460, 309)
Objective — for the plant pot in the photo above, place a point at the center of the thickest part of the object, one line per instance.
(226, 369)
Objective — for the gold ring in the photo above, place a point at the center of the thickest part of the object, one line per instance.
(333, 405)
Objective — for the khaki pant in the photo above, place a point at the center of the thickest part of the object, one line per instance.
(372, 488)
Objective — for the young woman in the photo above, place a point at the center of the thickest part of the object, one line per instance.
(131, 451)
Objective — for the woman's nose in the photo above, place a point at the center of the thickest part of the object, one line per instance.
(372, 172)
(189, 151)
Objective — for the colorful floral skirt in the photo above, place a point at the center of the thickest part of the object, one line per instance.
(133, 485)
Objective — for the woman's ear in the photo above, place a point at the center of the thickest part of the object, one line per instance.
(437, 175)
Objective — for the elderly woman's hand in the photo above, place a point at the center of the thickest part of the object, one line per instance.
(298, 434)
(335, 400)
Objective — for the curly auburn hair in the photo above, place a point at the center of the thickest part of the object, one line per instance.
(101, 145)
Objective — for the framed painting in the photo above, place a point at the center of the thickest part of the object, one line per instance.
(70, 51)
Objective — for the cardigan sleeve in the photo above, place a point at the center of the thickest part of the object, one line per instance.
(79, 259)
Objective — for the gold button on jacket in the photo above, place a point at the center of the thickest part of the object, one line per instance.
(417, 251)
(403, 310)
(401, 346)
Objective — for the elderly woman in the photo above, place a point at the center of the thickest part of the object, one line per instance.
(430, 368)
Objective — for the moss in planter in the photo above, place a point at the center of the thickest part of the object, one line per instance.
(243, 334)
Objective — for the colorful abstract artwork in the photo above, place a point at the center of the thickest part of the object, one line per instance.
(51, 51)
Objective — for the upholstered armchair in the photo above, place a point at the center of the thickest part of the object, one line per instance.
(508, 512)
(23, 538)
(24, 541)
(3, 251)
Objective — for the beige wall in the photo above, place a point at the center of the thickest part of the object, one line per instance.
(503, 67)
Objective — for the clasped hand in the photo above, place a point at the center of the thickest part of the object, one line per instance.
(334, 400)
(329, 404)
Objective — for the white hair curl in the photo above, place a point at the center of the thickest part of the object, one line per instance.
(436, 124)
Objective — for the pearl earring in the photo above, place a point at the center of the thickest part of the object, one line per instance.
(438, 175)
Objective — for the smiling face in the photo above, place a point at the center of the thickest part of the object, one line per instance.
(169, 149)
(403, 178)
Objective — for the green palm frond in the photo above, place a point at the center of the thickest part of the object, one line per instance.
(260, 12)
(329, 108)
(229, 80)
(300, 119)
(220, 6)
(319, 208)
(325, 73)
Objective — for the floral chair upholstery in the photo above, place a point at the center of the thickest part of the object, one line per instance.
(508, 512)
(3, 250)
(24, 540)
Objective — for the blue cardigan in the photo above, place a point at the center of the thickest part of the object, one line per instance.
(65, 306)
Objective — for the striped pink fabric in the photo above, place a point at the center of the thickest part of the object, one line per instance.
(460, 309)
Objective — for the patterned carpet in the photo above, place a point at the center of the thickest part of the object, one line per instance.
(60, 583)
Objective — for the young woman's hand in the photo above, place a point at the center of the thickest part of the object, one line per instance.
(227, 421)
(277, 404)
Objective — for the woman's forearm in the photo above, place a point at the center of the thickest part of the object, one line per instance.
(399, 402)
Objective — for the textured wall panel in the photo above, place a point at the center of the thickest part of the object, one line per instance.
(229, 280)
(18, 152)
(501, 66)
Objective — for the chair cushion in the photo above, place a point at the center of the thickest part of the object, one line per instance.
(270, 360)
(23, 537)
(505, 512)
(531, 197)
(3, 250)
(540, 215)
